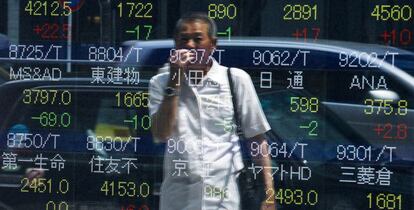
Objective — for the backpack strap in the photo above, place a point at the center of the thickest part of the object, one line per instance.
(234, 100)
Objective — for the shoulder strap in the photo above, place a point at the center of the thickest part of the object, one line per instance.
(234, 99)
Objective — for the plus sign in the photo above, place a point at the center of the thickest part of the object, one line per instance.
(385, 36)
(379, 129)
(297, 34)
(37, 29)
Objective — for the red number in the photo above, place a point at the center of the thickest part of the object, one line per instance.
(45, 29)
(405, 37)
(387, 132)
(55, 29)
(401, 131)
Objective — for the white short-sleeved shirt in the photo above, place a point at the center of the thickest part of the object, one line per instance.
(203, 153)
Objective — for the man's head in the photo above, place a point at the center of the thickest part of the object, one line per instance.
(196, 17)
(196, 31)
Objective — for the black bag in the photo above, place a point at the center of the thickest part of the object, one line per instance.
(251, 190)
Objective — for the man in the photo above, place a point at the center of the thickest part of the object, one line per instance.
(203, 155)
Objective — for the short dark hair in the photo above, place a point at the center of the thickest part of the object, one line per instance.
(196, 16)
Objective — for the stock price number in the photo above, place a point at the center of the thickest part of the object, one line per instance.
(50, 97)
(392, 12)
(385, 106)
(222, 11)
(304, 104)
(144, 122)
(51, 119)
(297, 197)
(300, 12)
(47, 8)
(135, 10)
(125, 189)
(130, 99)
(43, 185)
(53, 205)
(384, 201)
(52, 31)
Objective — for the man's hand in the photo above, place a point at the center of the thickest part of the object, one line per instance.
(266, 163)
(268, 206)
(34, 173)
(181, 58)
(179, 62)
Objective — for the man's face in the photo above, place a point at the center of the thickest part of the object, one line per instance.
(194, 36)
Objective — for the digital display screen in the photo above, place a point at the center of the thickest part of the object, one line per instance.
(80, 102)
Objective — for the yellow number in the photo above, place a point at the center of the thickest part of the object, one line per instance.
(118, 99)
(370, 109)
(27, 96)
(314, 105)
(297, 12)
(376, 12)
(270, 199)
(287, 16)
(120, 9)
(392, 12)
(279, 196)
(122, 191)
(303, 104)
(29, 7)
(312, 201)
(25, 182)
(33, 185)
(44, 97)
(212, 11)
(288, 196)
(145, 100)
(388, 106)
(141, 10)
(41, 186)
(132, 189)
(221, 11)
(391, 201)
(105, 188)
(147, 7)
(128, 99)
(37, 6)
(144, 190)
(299, 197)
(51, 205)
(147, 15)
(385, 14)
(369, 196)
(137, 14)
(294, 105)
(409, 13)
(402, 107)
(55, 7)
(67, 8)
(137, 100)
(300, 12)
(53, 94)
(395, 13)
(63, 186)
(380, 201)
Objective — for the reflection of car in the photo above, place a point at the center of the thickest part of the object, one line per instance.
(316, 96)
(4, 46)
(333, 100)
(74, 131)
